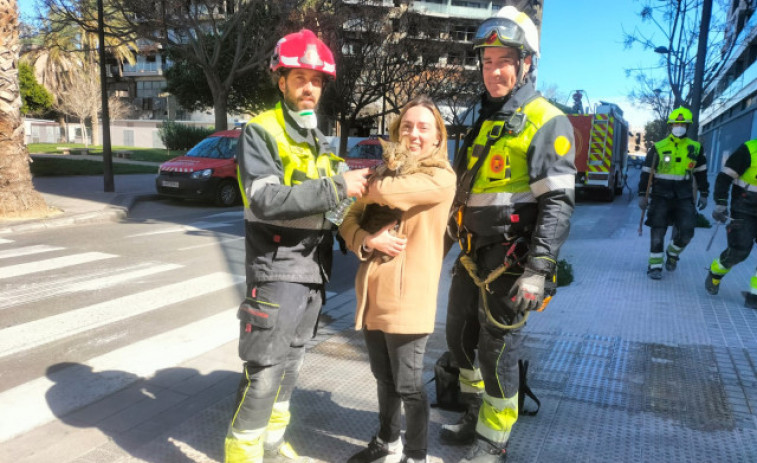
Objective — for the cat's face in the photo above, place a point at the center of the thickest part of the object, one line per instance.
(418, 132)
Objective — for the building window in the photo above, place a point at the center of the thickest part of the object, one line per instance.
(464, 33)
(149, 88)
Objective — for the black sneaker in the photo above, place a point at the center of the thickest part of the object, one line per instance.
(484, 451)
(654, 273)
(712, 284)
(379, 451)
(750, 301)
(671, 263)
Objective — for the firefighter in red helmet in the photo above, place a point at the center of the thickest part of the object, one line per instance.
(289, 182)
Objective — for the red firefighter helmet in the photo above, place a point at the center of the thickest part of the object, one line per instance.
(303, 50)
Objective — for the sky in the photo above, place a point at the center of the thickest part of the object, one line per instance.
(581, 48)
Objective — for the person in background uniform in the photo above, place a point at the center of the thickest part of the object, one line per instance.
(396, 299)
(511, 214)
(739, 175)
(288, 182)
(676, 161)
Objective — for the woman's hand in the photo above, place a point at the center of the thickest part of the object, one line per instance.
(384, 241)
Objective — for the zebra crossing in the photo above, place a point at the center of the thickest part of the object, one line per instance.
(46, 275)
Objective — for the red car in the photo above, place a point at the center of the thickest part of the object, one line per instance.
(207, 172)
(366, 153)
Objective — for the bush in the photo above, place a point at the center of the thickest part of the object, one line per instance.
(182, 137)
(564, 273)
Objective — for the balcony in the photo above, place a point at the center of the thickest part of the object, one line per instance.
(452, 11)
(154, 68)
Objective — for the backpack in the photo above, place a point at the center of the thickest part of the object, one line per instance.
(446, 378)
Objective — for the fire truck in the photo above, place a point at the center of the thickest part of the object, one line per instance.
(601, 150)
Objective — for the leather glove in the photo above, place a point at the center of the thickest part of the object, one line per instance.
(528, 291)
(720, 213)
(643, 202)
(702, 203)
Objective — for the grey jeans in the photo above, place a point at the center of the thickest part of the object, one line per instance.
(397, 364)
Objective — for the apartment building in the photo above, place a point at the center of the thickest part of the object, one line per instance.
(728, 114)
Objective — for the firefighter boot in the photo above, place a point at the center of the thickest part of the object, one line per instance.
(712, 283)
(243, 450)
(750, 301)
(671, 262)
(283, 453)
(464, 431)
(484, 451)
(654, 273)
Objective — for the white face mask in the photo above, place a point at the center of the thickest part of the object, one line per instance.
(679, 131)
(306, 118)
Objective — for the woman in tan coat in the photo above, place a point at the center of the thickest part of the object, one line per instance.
(396, 299)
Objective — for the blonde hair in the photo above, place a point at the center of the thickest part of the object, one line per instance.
(428, 103)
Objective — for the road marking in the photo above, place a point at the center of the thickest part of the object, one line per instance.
(196, 226)
(229, 215)
(4, 241)
(27, 251)
(44, 399)
(214, 243)
(52, 264)
(25, 294)
(33, 334)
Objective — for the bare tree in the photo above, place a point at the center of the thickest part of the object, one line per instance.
(226, 39)
(80, 98)
(17, 195)
(678, 23)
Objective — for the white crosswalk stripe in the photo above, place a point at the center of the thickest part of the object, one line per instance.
(52, 264)
(85, 281)
(25, 406)
(33, 334)
(27, 250)
(28, 405)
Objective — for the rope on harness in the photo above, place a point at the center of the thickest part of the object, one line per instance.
(483, 286)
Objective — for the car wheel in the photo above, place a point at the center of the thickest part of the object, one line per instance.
(227, 193)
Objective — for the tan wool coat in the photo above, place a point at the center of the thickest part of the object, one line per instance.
(399, 296)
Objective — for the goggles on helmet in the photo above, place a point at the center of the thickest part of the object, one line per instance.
(499, 32)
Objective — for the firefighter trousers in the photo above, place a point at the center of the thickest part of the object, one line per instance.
(663, 212)
(742, 234)
(498, 353)
(462, 326)
(276, 320)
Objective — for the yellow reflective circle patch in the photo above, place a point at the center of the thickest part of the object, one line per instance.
(562, 145)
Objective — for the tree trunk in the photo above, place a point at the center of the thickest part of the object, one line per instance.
(220, 107)
(17, 195)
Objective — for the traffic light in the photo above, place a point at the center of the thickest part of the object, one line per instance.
(638, 141)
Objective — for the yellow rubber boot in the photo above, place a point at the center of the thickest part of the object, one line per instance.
(238, 450)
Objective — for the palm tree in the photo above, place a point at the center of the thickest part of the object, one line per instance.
(17, 195)
(69, 49)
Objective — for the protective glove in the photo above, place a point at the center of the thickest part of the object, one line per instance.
(702, 203)
(528, 291)
(720, 213)
(643, 202)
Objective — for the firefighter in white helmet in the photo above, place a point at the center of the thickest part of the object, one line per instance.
(511, 215)
(288, 182)
(673, 164)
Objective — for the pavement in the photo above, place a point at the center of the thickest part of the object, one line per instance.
(627, 369)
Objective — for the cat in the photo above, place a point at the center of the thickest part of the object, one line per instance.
(398, 161)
